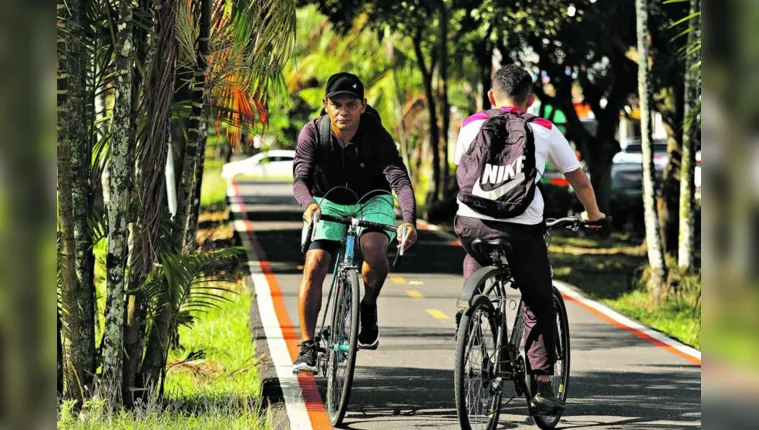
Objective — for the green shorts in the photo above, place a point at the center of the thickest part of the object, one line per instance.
(379, 209)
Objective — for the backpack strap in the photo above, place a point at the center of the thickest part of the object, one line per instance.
(324, 136)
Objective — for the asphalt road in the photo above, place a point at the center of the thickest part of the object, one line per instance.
(618, 381)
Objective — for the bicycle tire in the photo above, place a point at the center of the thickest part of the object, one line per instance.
(563, 355)
(481, 305)
(346, 308)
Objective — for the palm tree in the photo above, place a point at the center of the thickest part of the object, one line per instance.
(249, 43)
(653, 236)
(120, 174)
(692, 102)
(77, 289)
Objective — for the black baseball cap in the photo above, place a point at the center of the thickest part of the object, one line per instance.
(344, 83)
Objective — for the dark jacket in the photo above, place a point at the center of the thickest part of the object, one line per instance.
(369, 163)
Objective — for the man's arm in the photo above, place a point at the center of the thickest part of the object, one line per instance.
(397, 175)
(563, 158)
(303, 165)
(584, 190)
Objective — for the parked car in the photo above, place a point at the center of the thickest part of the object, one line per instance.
(275, 163)
(632, 152)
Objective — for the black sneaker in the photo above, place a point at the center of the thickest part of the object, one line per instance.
(307, 359)
(545, 401)
(368, 338)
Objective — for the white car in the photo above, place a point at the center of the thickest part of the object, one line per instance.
(275, 163)
(632, 153)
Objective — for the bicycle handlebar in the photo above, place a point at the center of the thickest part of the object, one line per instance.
(574, 223)
(348, 220)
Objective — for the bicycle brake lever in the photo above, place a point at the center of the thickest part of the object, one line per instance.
(399, 255)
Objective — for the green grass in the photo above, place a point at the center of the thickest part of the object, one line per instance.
(213, 191)
(676, 317)
(610, 270)
(219, 391)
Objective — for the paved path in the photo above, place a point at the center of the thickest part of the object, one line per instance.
(619, 380)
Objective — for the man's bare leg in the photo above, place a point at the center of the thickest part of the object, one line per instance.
(374, 247)
(310, 291)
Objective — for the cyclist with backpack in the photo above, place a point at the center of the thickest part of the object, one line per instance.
(347, 147)
(501, 154)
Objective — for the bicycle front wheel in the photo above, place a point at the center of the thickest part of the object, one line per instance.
(560, 377)
(342, 345)
(478, 396)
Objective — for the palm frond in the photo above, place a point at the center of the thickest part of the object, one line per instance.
(186, 34)
(187, 281)
(250, 42)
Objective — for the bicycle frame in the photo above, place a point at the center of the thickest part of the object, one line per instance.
(510, 366)
(347, 254)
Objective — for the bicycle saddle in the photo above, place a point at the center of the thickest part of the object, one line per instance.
(487, 246)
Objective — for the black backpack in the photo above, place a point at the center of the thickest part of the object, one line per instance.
(496, 175)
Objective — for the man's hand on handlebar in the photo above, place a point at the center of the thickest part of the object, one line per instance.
(598, 216)
(311, 210)
(410, 235)
(596, 221)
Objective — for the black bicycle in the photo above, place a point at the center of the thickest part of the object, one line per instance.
(338, 342)
(489, 349)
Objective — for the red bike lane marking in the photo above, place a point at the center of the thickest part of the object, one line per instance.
(311, 396)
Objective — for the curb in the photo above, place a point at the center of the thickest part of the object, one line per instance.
(572, 293)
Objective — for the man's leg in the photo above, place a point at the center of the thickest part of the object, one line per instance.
(532, 272)
(310, 291)
(310, 303)
(374, 247)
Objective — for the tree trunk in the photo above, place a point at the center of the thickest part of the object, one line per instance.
(134, 342)
(136, 312)
(485, 63)
(434, 133)
(160, 89)
(653, 239)
(399, 99)
(76, 288)
(668, 200)
(192, 222)
(191, 156)
(686, 257)
(118, 233)
(443, 87)
(59, 350)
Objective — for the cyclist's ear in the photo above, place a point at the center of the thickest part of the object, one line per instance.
(363, 105)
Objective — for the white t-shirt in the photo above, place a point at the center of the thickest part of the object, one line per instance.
(550, 145)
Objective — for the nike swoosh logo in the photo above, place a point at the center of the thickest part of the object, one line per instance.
(499, 191)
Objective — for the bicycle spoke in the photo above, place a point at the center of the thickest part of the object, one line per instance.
(480, 351)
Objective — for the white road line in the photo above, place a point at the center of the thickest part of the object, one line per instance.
(296, 407)
(627, 322)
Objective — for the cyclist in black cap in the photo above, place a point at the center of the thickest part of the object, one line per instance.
(347, 147)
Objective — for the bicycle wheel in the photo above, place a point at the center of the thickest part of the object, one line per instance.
(342, 347)
(478, 400)
(560, 378)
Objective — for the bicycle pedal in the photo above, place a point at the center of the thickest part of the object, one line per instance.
(304, 372)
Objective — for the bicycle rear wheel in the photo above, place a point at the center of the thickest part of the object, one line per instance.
(478, 398)
(342, 346)
(560, 378)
